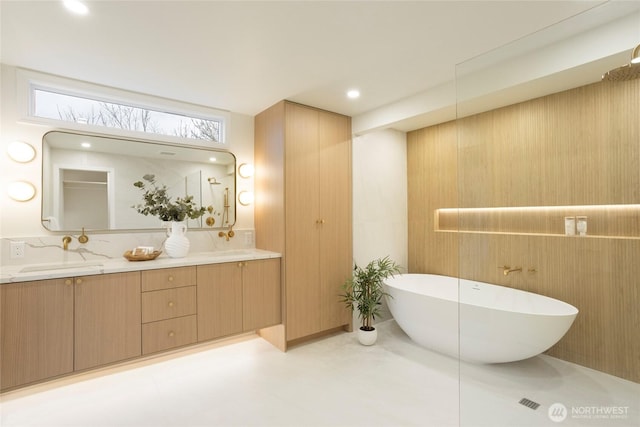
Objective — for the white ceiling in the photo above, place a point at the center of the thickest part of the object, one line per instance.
(245, 56)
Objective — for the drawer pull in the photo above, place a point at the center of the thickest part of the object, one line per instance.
(171, 333)
(171, 278)
(68, 282)
(78, 281)
(170, 304)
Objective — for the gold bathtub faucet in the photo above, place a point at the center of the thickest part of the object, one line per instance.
(506, 269)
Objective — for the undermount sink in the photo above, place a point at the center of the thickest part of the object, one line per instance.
(60, 266)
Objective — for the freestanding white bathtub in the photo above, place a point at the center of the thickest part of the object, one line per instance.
(496, 324)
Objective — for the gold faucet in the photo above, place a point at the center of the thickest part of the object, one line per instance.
(506, 269)
(229, 234)
(65, 242)
(83, 238)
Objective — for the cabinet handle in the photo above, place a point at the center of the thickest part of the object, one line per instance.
(320, 221)
(78, 281)
(171, 333)
(242, 264)
(171, 278)
(68, 282)
(170, 304)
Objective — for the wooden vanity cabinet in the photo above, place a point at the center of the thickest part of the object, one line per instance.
(168, 308)
(261, 294)
(107, 319)
(238, 297)
(219, 300)
(50, 328)
(303, 171)
(36, 331)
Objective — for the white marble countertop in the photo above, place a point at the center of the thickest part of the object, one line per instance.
(24, 273)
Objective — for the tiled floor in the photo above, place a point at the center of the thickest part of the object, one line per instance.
(331, 382)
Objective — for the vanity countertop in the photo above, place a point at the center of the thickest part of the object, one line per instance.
(28, 272)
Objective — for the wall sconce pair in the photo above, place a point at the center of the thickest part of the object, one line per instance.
(21, 152)
(245, 170)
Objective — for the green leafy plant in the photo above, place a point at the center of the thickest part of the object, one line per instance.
(365, 290)
(158, 203)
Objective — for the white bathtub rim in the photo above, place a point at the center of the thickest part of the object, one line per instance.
(415, 282)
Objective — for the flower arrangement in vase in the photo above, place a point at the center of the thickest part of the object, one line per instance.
(157, 202)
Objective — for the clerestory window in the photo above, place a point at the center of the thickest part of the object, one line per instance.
(67, 107)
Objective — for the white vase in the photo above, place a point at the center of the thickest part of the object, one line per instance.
(177, 244)
(367, 337)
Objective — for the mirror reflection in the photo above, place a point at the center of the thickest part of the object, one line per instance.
(88, 181)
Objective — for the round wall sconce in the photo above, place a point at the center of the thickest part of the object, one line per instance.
(21, 152)
(245, 170)
(245, 198)
(21, 191)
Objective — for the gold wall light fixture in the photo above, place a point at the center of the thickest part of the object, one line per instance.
(21, 191)
(21, 152)
(245, 170)
(635, 55)
(245, 198)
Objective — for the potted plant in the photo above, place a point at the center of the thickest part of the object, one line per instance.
(157, 202)
(365, 291)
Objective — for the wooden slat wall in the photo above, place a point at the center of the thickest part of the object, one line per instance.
(579, 147)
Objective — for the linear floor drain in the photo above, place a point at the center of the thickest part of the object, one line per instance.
(529, 403)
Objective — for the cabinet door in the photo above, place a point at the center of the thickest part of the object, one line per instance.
(261, 294)
(219, 300)
(302, 266)
(107, 319)
(336, 249)
(36, 331)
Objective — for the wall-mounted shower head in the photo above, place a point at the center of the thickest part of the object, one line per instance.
(213, 181)
(626, 72)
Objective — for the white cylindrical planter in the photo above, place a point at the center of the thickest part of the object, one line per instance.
(367, 337)
(177, 244)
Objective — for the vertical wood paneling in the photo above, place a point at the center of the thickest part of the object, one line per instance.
(336, 248)
(579, 147)
(219, 300)
(432, 184)
(269, 202)
(269, 178)
(36, 331)
(261, 298)
(107, 319)
(302, 240)
(309, 211)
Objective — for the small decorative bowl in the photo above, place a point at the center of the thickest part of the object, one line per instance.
(142, 257)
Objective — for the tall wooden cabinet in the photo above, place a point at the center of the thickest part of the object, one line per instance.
(303, 210)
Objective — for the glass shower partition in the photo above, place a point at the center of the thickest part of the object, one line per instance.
(548, 204)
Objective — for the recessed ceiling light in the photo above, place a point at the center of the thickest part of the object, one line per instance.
(212, 159)
(76, 7)
(353, 93)
(85, 145)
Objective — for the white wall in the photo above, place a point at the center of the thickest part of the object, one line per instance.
(21, 220)
(380, 198)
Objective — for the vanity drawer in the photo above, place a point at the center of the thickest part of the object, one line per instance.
(169, 303)
(165, 334)
(167, 278)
